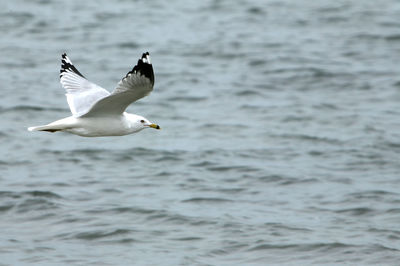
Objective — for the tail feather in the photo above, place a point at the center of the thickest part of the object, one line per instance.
(47, 128)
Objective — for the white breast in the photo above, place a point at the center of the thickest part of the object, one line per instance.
(100, 126)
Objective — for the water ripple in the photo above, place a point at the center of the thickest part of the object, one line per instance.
(99, 234)
(206, 200)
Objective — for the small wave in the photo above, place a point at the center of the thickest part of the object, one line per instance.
(27, 108)
(36, 204)
(257, 62)
(73, 155)
(13, 163)
(111, 190)
(333, 9)
(170, 218)
(132, 210)
(18, 15)
(169, 157)
(203, 164)
(393, 211)
(15, 19)
(367, 36)
(149, 152)
(321, 73)
(230, 190)
(6, 207)
(392, 145)
(125, 240)
(298, 181)
(187, 99)
(121, 210)
(296, 118)
(88, 151)
(43, 194)
(165, 217)
(103, 16)
(372, 194)
(393, 38)
(315, 153)
(286, 180)
(252, 107)
(94, 235)
(271, 178)
(217, 126)
(207, 200)
(231, 168)
(164, 174)
(279, 226)
(33, 193)
(302, 247)
(326, 106)
(21, 108)
(359, 211)
(29, 201)
(247, 93)
(256, 11)
(309, 138)
(193, 238)
(129, 45)
(117, 155)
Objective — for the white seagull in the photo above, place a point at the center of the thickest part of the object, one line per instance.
(95, 111)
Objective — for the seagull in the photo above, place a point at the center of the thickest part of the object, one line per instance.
(95, 111)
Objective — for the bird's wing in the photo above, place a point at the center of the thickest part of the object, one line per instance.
(81, 93)
(135, 85)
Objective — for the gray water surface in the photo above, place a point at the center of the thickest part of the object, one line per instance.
(280, 142)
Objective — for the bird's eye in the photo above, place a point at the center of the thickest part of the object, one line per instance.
(142, 121)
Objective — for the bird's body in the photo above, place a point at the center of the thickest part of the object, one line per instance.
(96, 126)
(96, 112)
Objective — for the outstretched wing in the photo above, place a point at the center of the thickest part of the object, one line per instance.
(135, 85)
(81, 93)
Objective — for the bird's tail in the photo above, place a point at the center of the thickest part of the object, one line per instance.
(48, 128)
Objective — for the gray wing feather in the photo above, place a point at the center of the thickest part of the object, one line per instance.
(81, 93)
(137, 84)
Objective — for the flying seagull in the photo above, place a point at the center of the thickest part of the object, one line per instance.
(95, 111)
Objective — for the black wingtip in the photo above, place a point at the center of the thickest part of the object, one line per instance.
(66, 64)
(144, 67)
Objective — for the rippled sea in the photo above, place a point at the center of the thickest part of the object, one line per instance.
(280, 138)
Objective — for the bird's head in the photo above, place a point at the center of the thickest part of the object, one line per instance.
(137, 122)
(143, 123)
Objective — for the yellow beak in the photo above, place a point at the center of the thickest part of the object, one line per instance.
(154, 126)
